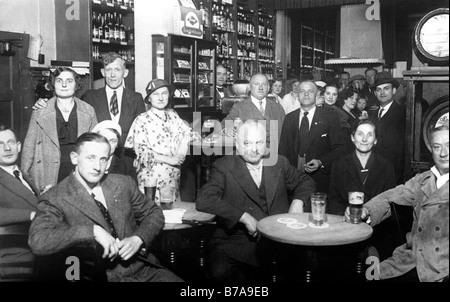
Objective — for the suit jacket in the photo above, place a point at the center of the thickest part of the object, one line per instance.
(132, 106)
(246, 110)
(41, 152)
(231, 191)
(16, 204)
(226, 93)
(391, 137)
(67, 215)
(325, 142)
(345, 178)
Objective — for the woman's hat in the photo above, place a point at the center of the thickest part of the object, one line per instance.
(107, 124)
(155, 84)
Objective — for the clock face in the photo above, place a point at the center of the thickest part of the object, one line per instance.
(434, 36)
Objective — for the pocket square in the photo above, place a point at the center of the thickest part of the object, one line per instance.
(323, 135)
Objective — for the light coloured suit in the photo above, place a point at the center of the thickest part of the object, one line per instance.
(67, 215)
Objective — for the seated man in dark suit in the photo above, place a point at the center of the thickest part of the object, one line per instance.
(92, 211)
(18, 205)
(243, 189)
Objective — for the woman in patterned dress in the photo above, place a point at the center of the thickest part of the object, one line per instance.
(160, 139)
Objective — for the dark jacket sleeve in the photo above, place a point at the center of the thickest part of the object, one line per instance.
(337, 143)
(301, 184)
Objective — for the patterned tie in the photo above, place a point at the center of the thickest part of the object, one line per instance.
(303, 134)
(17, 175)
(380, 113)
(261, 108)
(107, 217)
(113, 106)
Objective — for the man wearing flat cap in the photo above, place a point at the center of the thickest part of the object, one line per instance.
(390, 120)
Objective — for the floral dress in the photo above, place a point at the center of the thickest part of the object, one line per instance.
(149, 135)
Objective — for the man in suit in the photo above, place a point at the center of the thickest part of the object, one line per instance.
(390, 120)
(117, 103)
(311, 137)
(221, 79)
(18, 205)
(89, 210)
(243, 189)
(257, 106)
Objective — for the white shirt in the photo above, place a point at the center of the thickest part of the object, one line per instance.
(290, 103)
(440, 179)
(310, 116)
(11, 170)
(109, 94)
(257, 103)
(98, 192)
(385, 109)
(255, 172)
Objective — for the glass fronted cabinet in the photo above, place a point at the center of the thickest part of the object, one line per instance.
(188, 64)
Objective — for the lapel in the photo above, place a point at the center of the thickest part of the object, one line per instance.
(30, 183)
(111, 191)
(10, 183)
(101, 105)
(79, 198)
(375, 174)
(433, 195)
(271, 177)
(124, 107)
(316, 126)
(254, 111)
(46, 121)
(351, 172)
(244, 179)
(84, 121)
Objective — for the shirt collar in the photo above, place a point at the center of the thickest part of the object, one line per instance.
(109, 90)
(10, 169)
(310, 112)
(256, 101)
(440, 179)
(386, 108)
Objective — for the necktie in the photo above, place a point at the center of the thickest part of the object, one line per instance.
(220, 89)
(17, 175)
(380, 113)
(113, 106)
(261, 108)
(107, 217)
(303, 135)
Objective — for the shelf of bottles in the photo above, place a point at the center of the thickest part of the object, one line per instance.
(112, 29)
(205, 88)
(246, 41)
(316, 47)
(266, 52)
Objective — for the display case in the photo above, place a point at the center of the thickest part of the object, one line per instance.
(188, 64)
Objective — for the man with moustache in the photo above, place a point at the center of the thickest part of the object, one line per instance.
(311, 137)
(424, 256)
(243, 189)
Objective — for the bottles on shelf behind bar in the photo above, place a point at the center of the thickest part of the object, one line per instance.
(110, 26)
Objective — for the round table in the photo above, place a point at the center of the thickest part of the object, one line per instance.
(190, 214)
(338, 232)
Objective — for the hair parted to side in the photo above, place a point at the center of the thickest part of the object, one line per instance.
(55, 74)
(89, 137)
(110, 57)
(4, 127)
(434, 130)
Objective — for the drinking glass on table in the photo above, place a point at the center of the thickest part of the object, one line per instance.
(355, 200)
(318, 207)
(166, 196)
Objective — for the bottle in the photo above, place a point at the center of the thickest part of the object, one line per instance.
(100, 26)
(205, 15)
(122, 31)
(106, 27)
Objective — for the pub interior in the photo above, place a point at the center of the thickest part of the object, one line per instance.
(192, 76)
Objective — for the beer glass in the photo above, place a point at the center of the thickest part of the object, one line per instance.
(166, 197)
(355, 201)
(318, 207)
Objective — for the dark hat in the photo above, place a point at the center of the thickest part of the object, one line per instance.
(385, 77)
(357, 77)
(155, 84)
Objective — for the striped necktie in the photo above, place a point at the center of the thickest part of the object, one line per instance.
(114, 107)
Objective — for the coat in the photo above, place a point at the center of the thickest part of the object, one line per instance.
(345, 178)
(325, 142)
(391, 137)
(246, 110)
(41, 152)
(231, 191)
(426, 247)
(67, 214)
(132, 106)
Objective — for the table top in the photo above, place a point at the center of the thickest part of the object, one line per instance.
(216, 141)
(338, 232)
(190, 214)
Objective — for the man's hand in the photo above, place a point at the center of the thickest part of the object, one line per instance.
(250, 223)
(364, 214)
(230, 132)
(296, 206)
(129, 246)
(107, 241)
(41, 103)
(313, 165)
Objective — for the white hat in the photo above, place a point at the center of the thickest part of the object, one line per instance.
(320, 83)
(107, 124)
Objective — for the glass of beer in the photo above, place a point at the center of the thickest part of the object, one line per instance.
(355, 201)
(166, 196)
(318, 207)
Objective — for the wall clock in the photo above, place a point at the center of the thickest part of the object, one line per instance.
(430, 41)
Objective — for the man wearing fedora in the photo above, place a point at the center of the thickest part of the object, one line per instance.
(390, 119)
